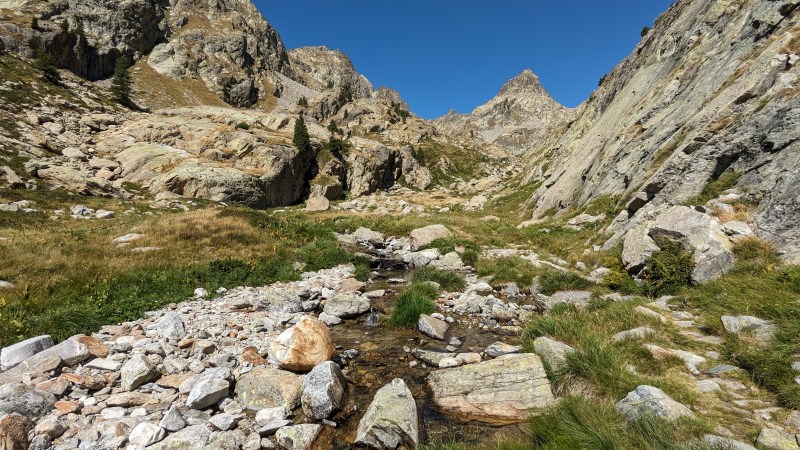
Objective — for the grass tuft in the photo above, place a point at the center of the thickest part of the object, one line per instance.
(416, 300)
(449, 281)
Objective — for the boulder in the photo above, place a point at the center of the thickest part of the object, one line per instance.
(578, 299)
(278, 301)
(648, 400)
(209, 387)
(391, 419)
(136, 372)
(16, 353)
(298, 437)
(346, 306)
(773, 439)
(423, 237)
(552, 352)
(302, 346)
(323, 391)
(503, 390)
(759, 328)
(432, 327)
(314, 204)
(269, 387)
(365, 235)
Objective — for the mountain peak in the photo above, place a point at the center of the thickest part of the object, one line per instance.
(526, 80)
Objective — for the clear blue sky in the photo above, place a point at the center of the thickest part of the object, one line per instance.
(457, 54)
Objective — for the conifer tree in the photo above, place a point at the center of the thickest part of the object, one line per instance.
(301, 139)
(121, 84)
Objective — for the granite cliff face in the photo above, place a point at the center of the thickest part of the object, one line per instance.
(712, 89)
(516, 119)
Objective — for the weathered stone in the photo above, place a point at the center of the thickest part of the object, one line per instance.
(719, 442)
(391, 419)
(136, 372)
(14, 354)
(760, 328)
(25, 400)
(224, 421)
(170, 326)
(146, 434)
(649, 400)
(268, 388)
(172, 420)
(302, 346)
(323, 390)
(773, 439)
(346, 306)
(434, 328)
(430, 357)
(14, 429)
(210, 387)
(189, 438)
(552, 352)
(579, 299)
(634, 333)
(423, 237)
(501, 348)
(298, 437)
(502, 390)
(317, 204)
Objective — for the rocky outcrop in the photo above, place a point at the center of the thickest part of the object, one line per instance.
(710, 89)
(516, 119)
(322, 69)
(504, 390)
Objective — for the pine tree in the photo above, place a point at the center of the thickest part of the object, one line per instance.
(303, 102)
(301, 139)
(121, 84)
(44, 61)
(35, 23)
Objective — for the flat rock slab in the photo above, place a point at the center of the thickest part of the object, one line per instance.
(504, 390)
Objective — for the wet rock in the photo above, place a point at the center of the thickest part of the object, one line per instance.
(776, 440)
(552, 352)
(649, 400)
(391, 419)
(14, 354)
(430, 357)
(432, 327)
(423, 237)
(268, 388)
(302, 346)
(346, 306)
(323, 391)
(210, 387)
(502, 390)
(136, 372)
(298, 437)
(501, 348)
(760, 328)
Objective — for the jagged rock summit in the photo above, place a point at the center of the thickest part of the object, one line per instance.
(516, 119)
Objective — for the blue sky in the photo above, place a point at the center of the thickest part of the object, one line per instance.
(457, 54)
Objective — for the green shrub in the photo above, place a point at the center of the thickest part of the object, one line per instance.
(714, 188)
(302, 102)
(470, 257)
(553, 281)
(619, 280)
(667, 270)
(242, 126)
(449, 281)
(416, 300)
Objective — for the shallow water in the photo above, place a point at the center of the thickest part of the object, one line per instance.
(382, 357)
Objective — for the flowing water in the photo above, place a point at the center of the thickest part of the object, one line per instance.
(382, 356)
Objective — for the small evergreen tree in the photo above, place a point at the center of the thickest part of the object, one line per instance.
(303, 102)
(330, 84)
(121, 84)
(35, 23)
(78, 31)
(44, 61)
(645, 30)
(301, 139)
(65, 26)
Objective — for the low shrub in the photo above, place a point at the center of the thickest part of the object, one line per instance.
(668, 270)
(242, 126)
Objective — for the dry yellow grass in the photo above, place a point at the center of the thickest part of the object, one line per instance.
(158, 91)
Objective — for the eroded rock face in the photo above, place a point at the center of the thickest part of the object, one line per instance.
(504, 390)
(704, 93)
(391, 419)
(302, 346)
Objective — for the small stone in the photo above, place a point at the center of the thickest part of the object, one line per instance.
(268, 415)
(137, 371)
(501, 348)
(170, 326)
(298, 437)
(432, 327)
(210, 387)
(224, 421)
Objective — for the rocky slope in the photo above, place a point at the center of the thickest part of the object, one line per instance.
(515, 119)
(711, 89)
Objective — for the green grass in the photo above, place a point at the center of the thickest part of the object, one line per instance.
(552, 281)
(416, 300)
(325, 253)
(467, 249)
(449, 281)
(128, 295)
(758, 286)
(667, 270)
(507, 270)
(715, 188)
(587, 423)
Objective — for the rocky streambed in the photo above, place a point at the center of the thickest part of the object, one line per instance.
(306, 364)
